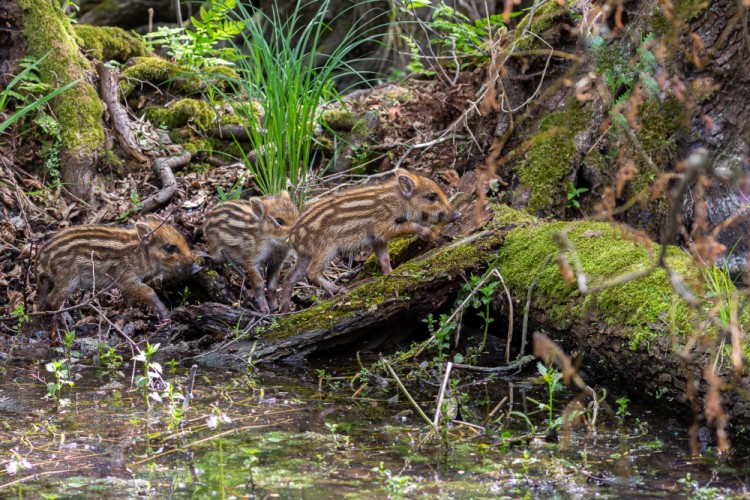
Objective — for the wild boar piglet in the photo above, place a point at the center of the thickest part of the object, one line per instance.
(251, 235)
(361, 218)
(105, 256)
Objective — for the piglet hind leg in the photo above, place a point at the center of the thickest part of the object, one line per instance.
(273, 272)
(291, 280)
(381, 253)
(329, 287)
(147, 295)
(315, 275)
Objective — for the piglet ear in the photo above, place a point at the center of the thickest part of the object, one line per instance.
(144, 230)
(284, 195)
(258, 209)
(406, 184)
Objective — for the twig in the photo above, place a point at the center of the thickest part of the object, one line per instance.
(519, 363)
(133, 346)
(406, 393)
(38, 475)
(494, 410)
(510, 316)
(178, 10)
(441, 394)
(527, 309)
(189, 391)
(595, 401)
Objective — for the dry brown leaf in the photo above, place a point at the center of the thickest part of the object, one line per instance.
(450, 177)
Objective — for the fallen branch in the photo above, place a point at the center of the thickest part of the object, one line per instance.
(518, 364)
(232, 131)
(441, 395)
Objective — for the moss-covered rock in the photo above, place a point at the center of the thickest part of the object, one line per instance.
(338, 119)
(160, 71)
(550, 155)
(107, 43)
(79, 111)
(183, 112)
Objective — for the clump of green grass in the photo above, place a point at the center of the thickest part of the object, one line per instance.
(286, 73)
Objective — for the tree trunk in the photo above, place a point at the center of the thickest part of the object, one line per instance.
(44, 29)
(722, 125)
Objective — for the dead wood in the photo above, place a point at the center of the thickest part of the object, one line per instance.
(238, 132)
(109, 89)
(362, 317)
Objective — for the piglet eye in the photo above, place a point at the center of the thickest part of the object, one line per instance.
(169, 249)
(432, 197)
(280, 221)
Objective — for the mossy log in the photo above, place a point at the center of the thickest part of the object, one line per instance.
(370, 310)
(640, 336)
(636, 331)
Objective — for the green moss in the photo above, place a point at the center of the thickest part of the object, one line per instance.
(396, 249)
(398, 93)
(744, 316)
(689, 10)
(505, 215)
(205, 145)
(340, 120)
(609, 57)
(642, 305)
(549, 157)
(230, 119)
(79, 110)
(160, 71)
(107, 43)
(445, 261)
(659, 121)
(110, 160)
(546, 16)
(181, 113)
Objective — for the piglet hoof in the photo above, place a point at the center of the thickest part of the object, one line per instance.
(163, 322)
(272, 304)
(262, 305)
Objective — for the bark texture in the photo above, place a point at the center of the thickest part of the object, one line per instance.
(46, 31)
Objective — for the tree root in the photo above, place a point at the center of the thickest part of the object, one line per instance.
(118, 115)
(162, 167)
